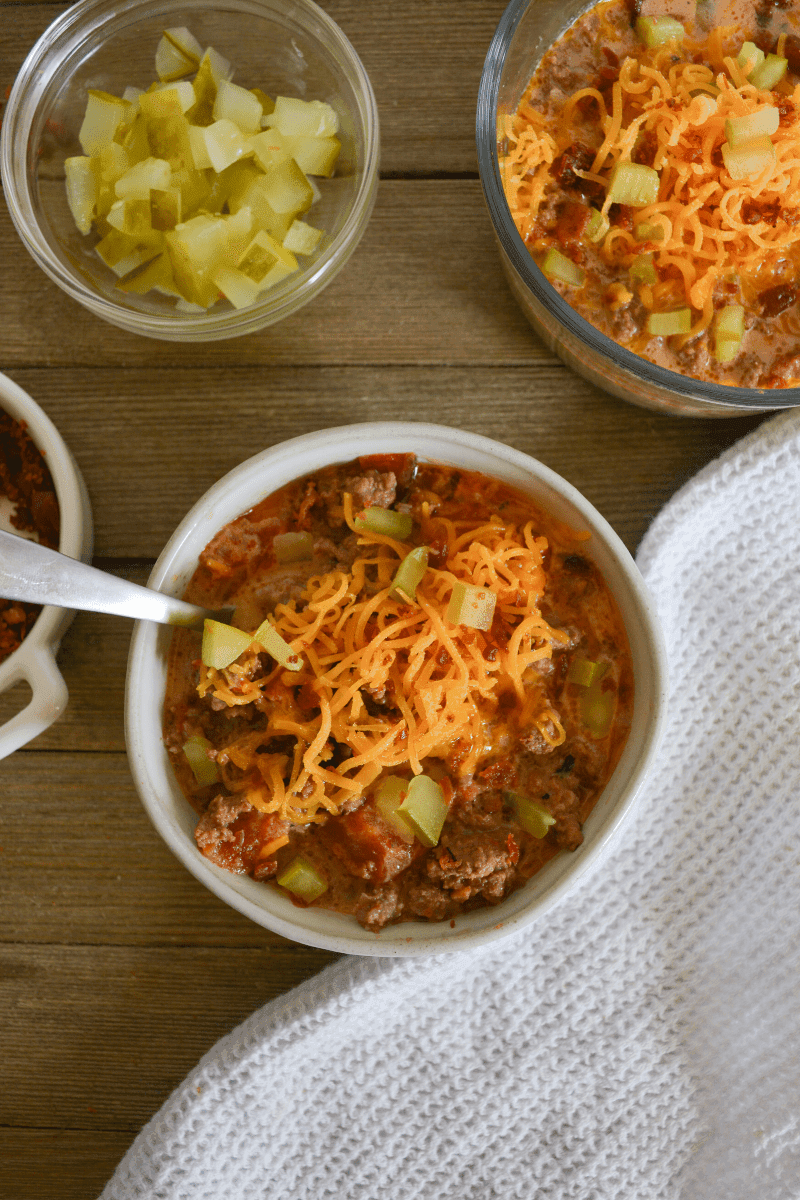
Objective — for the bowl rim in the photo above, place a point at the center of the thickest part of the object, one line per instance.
(257, 477)
(20, 114)
(34, 658)
(714, 395)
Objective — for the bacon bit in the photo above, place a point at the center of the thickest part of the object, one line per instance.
(776, 300)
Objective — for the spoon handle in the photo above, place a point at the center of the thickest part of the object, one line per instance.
(39, 575)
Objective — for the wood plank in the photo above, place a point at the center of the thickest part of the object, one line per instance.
(38, 1164)
(81, 863)
(143, 479)
(424, 62)
(97, 1039)
(424, 285)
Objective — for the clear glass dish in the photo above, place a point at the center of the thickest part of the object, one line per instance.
(526, 30)
(282, 47)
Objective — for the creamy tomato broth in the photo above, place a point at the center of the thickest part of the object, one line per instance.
(653, 170)
(455, 691)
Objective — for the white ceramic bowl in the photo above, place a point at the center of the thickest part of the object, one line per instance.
(245, 486)
(35, 660)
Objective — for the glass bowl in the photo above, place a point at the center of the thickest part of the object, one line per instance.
(526, 31)
(240, 490)
(282, 46)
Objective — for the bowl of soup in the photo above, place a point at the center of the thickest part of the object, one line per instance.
(637, 165)
(434, 694)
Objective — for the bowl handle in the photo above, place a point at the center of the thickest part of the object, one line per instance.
(48, 701)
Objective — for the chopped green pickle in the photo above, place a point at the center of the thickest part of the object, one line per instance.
(749, 57)
(749, 158)
(533, 818)
(410, 573)
(212, 174)
(642, 270)
(654, 31)
(390, 796)
(667, 324)
(557, 266)
(598, 226)
(222, 644)
(267, 636)
(425, 809)
(584, 672)
(302, 879)
(728, 332)
(472, 606)
(769, 72)
(742, 129)
(387, 521)
(293, 547)
(204, 769)
(633, 184)
(598, 712)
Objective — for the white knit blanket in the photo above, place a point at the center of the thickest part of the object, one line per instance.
(640, 1041)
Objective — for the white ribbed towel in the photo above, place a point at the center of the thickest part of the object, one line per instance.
(641, 1041)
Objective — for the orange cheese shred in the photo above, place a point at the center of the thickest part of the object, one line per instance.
(357, 642)
(716, 228)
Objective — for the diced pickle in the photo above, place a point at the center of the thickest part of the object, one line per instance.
(104, 114)
(302, 238)
(654, 31)
(302, 879)
(204, 769)
(749, 57)
(174, 168)
(633, 184)
(304, 118)
(533, 818)
(237, 104)
(386, 521)
(667, 324)
(388, 800)
(749, 158)
(764, 121)
(267, 636)
(222, 644)
(472, 606)
(769, 72)
(293, 546)
(425, 809)
(236, 287)
(642, 270)
(177, 54)
(584, 672)
(286, 188)
(81, 190)
(409, 574)
(557, 266)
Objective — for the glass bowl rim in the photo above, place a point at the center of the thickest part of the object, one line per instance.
(715, 395)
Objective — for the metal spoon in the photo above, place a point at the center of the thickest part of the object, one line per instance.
(34, 573)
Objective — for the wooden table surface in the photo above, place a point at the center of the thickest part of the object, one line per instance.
(117, 969)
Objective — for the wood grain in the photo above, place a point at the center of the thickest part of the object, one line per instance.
(407, 295)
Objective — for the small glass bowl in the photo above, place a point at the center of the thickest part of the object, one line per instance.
(526, 31)
(283, 47)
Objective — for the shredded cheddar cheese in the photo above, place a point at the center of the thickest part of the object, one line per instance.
(672, 116)
(445, 681)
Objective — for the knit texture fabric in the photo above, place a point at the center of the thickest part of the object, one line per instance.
(639, 1042)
